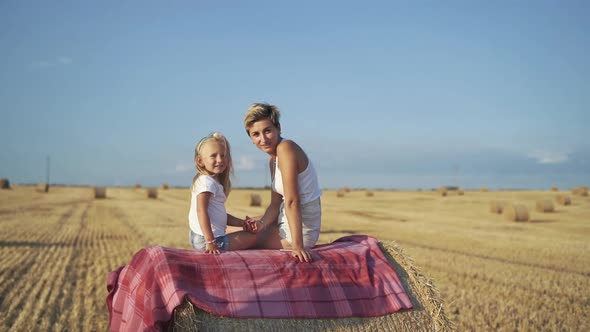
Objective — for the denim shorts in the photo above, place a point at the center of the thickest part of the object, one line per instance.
(311, 213)
(198, 241)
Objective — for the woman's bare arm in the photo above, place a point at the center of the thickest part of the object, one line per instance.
(289, 156)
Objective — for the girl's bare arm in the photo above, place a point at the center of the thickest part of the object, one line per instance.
(204, 221)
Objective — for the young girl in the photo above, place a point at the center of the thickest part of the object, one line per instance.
(207, 217)
(295, 197)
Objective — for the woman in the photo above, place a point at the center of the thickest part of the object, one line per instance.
(293, 218)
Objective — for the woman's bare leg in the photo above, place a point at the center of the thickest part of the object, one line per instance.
(270, 239)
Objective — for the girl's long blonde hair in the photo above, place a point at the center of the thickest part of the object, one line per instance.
(225, 177)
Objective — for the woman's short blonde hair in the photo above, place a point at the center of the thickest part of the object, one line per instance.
(261, 111)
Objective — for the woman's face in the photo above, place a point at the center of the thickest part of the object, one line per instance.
(265, 136)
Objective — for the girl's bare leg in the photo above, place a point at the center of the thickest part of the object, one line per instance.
(241, 240)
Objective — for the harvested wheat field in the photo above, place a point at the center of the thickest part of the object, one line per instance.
(493, 274)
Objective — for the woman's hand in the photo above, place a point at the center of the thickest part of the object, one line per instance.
(212, 248)
(302, 254)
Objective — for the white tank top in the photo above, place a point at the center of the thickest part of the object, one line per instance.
(307, 183)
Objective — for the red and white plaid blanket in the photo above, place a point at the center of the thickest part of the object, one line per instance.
(347, 278)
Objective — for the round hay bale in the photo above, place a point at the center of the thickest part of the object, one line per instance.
(563, 200)
(484, 189)
(340, 193)
(516, 212)
(545, 205)
(496, 207)
(152, 193)
(100, 192)
(583, 191)
(42, 187)
(165, 186)
(442, 191)
(370, 194)
(4, 184)
(427, 315)
(255, 200)
(346, 189)
(460, 192)
(137, 186)
(554, 189)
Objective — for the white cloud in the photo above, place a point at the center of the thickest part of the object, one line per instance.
(65, 60)
(60, 61)
(549, 157)
(245, 163)
(183, 167)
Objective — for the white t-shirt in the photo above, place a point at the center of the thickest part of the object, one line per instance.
(216, 210)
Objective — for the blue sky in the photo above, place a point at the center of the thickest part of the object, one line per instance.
(392, 94)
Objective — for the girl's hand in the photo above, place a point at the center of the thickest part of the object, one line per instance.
(249, 225)
(253, 225)
(302, 254)
(212, 248)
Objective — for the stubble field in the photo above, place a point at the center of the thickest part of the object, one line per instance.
(56, 249)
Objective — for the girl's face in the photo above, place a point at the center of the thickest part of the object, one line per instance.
(212, 157)
(265, 136)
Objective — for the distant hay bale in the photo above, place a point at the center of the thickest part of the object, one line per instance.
(563, 200)
(370, 194)
(545, 205)
(484, 189)
(340, 193)
(152, 193)
(346, 189)
(42, 187)
(554, 189)
(100, 192)
(165, 186)
(449, 190)
(4, 184)
(516, 212)
(496, 207)
(137, 186)
(427, 315)
(581, 191)
(255, 200)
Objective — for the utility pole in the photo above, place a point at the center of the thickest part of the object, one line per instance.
(47, 173)
(47, 176)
